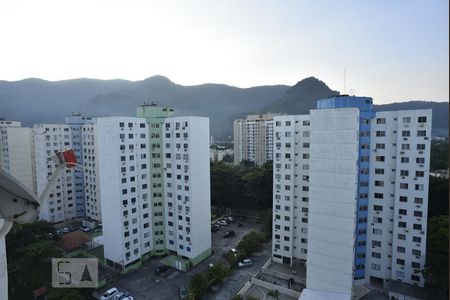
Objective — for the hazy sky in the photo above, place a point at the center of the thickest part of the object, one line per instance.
(391, 50)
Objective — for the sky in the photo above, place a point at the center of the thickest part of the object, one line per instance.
(390, 50)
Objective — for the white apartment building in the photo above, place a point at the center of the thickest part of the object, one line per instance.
(16, 152)
(91, 188)
(326, 166)
(187, 189)
(398, 197)
(49, 139)
(121, 146)
(253, 138)
(291, 188)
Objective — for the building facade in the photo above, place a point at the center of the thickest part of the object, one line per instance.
(253, 138)
(16, 152)
(398, 197)
(155, 116)
(121, 145)
(290, 189)
(366, 187)
(75, 122)
(49, 139)
(91, 173)
(187, 189)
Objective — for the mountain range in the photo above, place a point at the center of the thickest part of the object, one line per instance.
(35, 101)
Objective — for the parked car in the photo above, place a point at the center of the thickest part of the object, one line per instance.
(85, 228)
(65, 229)
(245, 263)
(128, 298)
(234, 251)
(228, 233)
(109, 294)
(182, 291)
(120, 296)
(222, 223)
(161, 269)
(230, 219)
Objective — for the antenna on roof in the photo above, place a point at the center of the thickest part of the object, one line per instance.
(345, 86)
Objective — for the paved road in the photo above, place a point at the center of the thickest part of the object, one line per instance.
(239, 277)
(143, 284)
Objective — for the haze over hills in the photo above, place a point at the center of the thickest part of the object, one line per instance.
(38, 101)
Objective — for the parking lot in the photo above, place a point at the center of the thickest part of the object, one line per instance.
(143, 284)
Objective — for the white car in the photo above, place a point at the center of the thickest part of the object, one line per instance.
(109, 294)
(245, 263)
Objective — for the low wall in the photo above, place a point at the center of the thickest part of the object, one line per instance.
(280, 289)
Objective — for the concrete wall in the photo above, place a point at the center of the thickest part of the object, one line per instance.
(332, 203)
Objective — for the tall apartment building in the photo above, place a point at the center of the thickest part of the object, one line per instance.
(187, 189)
(75, 122)
(253, 138)
(49, 139)
(397, 221)
(155, 116)
(290, 188)
(121, 146)
(91, 187)
(367, 187)
(16, 152)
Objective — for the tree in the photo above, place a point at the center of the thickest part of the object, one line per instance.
(217, 273)
(30, 248)
(439, 155)
(228, 158)
(436, 270)
(65, 294)
(197, 286)
(437, 197)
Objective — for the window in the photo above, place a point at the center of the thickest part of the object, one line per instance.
(376, 231)
(420, 160)
(400, 262)
(420, 146)
(417, 239)
(418, 200)
(378, 195)
(401, 236)
(402, 212)
(403, 199)
(400, 249)
(406, 133)
(420, 173)
(379, 183)
(379, 146)
(403, 186)
(422, 119)
(376, 243)
(416, 252)
(381, 120)
(405, 146)
(379, 158)
(402, 224)
(404, 172)
(404, 160)
(378, 207)
(375, 267)
(419, 187)
(379, 171)
(417, 226)
(415, 265)
(421, 133)
(380, 133)
(406, 119)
